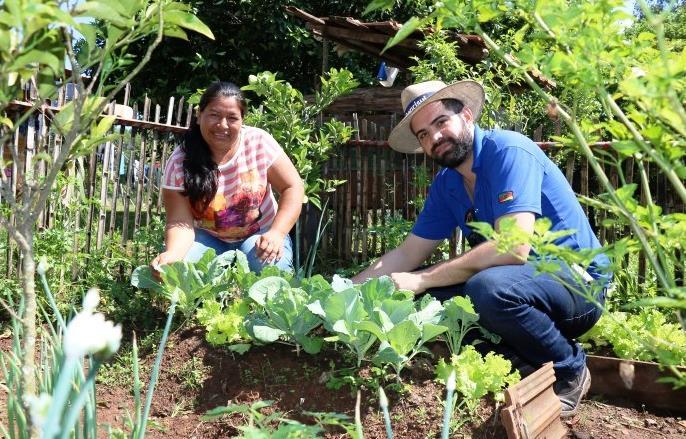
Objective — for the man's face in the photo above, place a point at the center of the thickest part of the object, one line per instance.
(444, 136)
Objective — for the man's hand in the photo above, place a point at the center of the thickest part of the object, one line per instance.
(409, 281)
(269, 246)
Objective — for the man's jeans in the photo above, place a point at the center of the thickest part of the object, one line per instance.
(205, 241)
(535, 315)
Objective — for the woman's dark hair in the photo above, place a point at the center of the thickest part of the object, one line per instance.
(200, 172)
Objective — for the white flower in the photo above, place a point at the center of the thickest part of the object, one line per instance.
(38, 408)
(340, 283)
(92, 299)
(638, 72)
(42, 266)
(90, 333)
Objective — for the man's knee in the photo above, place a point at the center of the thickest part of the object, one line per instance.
(490, 291)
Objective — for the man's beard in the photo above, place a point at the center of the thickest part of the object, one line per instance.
(457, 152)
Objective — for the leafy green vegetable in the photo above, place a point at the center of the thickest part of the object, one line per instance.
(477, 376)
(283, 313)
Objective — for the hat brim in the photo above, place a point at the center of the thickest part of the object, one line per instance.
(471, 94)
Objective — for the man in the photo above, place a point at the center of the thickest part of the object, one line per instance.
(489, 176)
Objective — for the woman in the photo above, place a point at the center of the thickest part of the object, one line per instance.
(217, 188)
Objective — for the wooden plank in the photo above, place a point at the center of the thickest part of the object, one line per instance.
(636, 381)
(532, 409)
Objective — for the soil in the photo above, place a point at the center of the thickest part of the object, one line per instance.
(197, 377)
(297, 384)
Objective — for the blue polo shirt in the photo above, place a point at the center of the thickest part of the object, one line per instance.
(512, 175)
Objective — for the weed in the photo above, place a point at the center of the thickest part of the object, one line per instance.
(193, 373)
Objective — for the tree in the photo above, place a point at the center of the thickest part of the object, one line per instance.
(254, 36)
(36, 38)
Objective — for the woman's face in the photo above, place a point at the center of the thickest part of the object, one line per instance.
(220, 122)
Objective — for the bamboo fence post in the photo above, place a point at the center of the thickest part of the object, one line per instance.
(348, 207)
(140, 180)
(42, 147)
(357, 215)
(118, 166)
(104, 179)
(384, 199)
(92, 164)
(151, 172)
(129, 180)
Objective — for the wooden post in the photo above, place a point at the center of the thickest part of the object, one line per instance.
(140, 180)
(152, 173)
(104, 184)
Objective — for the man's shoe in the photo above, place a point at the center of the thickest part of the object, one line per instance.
(570, 392)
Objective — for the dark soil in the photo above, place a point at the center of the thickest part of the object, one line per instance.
(297, 384)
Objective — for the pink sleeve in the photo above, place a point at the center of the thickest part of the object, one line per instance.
(173, 172)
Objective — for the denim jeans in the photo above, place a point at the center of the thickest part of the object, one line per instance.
(536, 315)
(205, 241)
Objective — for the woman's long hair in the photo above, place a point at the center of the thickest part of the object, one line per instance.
(200, 172)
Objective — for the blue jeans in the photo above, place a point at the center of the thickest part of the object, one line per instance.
(536, 315)
(205, 241)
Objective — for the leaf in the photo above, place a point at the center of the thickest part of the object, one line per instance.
(403, 337)
(378, 4)
(311, 345)
(265, 289)
(410, 26)
(103, 126)
(431, 331)
(34, 58)
(142, 277)
(266, 334)
(102, 11)
(188, 21)
(240, 348)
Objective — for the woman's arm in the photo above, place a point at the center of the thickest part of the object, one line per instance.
(285, 179)
(179, 234)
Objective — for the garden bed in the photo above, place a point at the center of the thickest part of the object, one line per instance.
(197, 377)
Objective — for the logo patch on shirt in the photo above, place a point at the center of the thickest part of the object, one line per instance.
(506, 196)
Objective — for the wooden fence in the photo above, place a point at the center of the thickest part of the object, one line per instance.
(122, 178)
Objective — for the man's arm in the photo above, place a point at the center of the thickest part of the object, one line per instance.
(409, 255)
(460, 269)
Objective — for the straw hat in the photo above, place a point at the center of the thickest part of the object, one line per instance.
(416, 96)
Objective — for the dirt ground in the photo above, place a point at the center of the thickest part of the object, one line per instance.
(197, 377)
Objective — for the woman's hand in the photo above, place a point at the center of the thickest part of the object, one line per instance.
(162, 259)
(269, 246)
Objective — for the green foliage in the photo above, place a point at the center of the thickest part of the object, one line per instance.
(460, 318)
(283, 312)
(253, 36)
(261, 426)
(293, 122)
(635, 78)
(646, 336)
(186, 283)
(477, 376)
(224, 326)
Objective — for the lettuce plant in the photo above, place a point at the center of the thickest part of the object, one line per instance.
(477, 376)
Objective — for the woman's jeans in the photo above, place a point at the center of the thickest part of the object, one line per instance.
(205, 241)
(536, 315)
